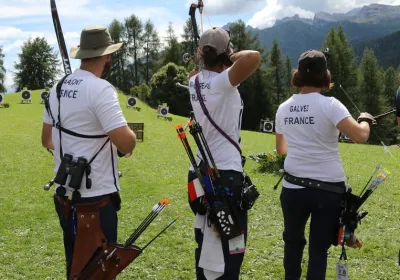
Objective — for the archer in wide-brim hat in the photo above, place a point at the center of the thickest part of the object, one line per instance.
(95, 41)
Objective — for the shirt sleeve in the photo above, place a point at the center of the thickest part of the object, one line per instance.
(278, 127)
(221, 83)
(337, 111)
(46, 115)
(107, 109)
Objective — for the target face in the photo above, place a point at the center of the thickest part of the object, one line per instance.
(44, 95)
(132, 101)
(26, 95)
(268, 126)
(164, 111)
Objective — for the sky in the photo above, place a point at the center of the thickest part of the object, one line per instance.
(22, 19)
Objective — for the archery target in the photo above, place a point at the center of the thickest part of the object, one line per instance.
(1, 98)
(44, 95)
(162, 111)
(26, 95)
(267, 126)
(132, 102)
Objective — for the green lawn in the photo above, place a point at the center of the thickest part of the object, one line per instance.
(31, 238)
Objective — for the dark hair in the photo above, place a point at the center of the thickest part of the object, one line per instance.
(318, 80)
(211, 59)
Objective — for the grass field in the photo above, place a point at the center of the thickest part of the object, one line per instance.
(31, 238)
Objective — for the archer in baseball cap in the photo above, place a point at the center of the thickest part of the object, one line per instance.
(312, 71)
(215, 47)
(312, 61)
(216, 38)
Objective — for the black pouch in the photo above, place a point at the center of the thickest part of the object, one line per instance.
(116, 200)
(222, 216)
(249, 193)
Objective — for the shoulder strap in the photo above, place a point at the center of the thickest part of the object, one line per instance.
(58, 125)
(203, 106)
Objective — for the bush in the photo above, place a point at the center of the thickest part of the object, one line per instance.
(142, 92)
(269, 163)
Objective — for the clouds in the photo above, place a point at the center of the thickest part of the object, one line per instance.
(277, 9)
(221, 7)
(274, 10)
(22, 19)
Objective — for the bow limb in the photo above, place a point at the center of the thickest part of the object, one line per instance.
(195, 32)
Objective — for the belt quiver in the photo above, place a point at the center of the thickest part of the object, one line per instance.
(89, 235)
(94, 258)
(108, 262)
(348, 222)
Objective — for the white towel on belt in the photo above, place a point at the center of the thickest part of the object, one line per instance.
(212, 255)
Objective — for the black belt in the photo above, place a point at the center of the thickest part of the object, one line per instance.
(339, 188)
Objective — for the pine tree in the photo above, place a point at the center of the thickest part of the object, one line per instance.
(391, 86)
(151, 45)
(173, 50)
(370, 84)
(38, 65)
(288, 77)
(134, 30)
(343, 68)
(275, 62)
(117, 75)
(371, 88)
(2, 71)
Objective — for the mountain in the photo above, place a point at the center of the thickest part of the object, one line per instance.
(386, 50)
(295, 36)
(364, 26)
(374, 13)
(295, 17)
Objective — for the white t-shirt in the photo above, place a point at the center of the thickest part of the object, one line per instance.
(308, 123)
(225, 106)
(89, 106)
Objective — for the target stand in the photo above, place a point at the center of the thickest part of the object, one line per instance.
(132, 104)
(2, 104)
(26, 97)
(162, 112)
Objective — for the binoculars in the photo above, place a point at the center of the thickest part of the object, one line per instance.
(74, 168)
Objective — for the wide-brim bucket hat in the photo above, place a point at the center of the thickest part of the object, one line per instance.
(95, 41)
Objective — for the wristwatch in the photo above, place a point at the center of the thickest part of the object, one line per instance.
(369, 121)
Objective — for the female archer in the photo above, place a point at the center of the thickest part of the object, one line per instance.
(216, 84)
(307, 129)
